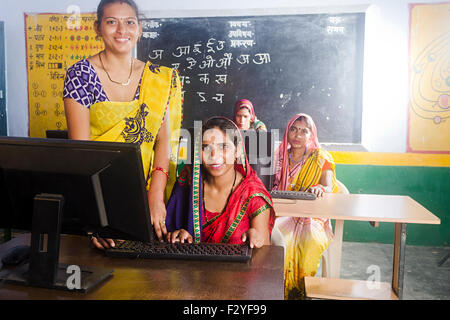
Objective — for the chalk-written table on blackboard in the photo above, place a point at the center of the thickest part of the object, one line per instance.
(284, 64)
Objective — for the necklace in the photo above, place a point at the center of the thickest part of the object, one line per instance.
(122, 83)
(228, 198)
(301, 160)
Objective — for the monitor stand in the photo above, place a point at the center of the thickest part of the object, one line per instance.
(43, 269)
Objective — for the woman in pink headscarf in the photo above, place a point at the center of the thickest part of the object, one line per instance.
(301, 165)
(245, 118)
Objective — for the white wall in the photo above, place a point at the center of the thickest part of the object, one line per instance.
(385, 87)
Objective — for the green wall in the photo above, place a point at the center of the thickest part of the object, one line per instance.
(430, 186)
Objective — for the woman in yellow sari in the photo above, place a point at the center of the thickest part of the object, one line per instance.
(301, 165)
(112, 96)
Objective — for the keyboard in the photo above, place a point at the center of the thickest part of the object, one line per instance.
(296, 195)
(183, 251)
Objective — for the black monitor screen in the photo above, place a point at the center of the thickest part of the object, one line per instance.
(102, 184)
(259, 146)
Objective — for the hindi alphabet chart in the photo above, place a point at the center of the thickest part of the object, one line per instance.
(54, 42)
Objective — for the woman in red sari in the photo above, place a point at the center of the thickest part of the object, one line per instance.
(226, 200)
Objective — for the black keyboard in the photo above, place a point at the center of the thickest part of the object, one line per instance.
(296, 195)
(183, 251)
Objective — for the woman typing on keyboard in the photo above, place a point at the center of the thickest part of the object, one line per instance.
(301, 165)
(220, 198)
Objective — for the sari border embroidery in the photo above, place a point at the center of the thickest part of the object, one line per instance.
(196, 192)
(241, 214)
(212, 220)
(258, 211)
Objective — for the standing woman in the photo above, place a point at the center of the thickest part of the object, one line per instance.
(112, 96)
(303, 166)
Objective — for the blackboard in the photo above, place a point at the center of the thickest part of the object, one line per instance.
(284, 64)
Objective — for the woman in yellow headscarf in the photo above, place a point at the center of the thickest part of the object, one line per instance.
(112, 96)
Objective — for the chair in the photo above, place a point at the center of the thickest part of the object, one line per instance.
(277, 238)
(331, 258)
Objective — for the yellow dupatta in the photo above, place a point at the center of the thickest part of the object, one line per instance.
(311, 171)
(306, 238)
(139, 121)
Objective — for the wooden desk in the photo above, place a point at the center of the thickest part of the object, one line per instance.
(261, 278)
(362, 207)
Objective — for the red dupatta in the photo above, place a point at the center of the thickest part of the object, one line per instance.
(228, 226)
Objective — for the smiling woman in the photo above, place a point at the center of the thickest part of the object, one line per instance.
(226, 200)
(112, 96)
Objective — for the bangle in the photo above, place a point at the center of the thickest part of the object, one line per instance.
(320, 186)
(162, 170)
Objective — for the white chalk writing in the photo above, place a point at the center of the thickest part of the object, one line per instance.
(237, 43)
(204, 77)
(263, 58)
(240, 34)
(197, 47)
(221, 78)
(239, 24)
(207, 63)
(218, 97)
(151, 35)
(182, 50)
(243, 59)
(225, 61)
(331, 29)
(157, 54)
(185, 79)
(202, 96)
(150, 24)
(191, 61)
(335, 20)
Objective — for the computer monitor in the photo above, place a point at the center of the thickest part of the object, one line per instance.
(53, 186)
(259, 147)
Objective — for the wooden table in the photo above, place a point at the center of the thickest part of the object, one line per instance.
(400, 210)
(261, 278)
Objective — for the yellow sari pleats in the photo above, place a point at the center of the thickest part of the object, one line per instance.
(306, 238)
(139, 121)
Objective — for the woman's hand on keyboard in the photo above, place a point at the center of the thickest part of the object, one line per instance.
(317, 189)
(102, 244)
(179, 236)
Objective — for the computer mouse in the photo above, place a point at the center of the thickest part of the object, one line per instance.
(16, 255)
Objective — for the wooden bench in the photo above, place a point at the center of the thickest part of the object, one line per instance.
(343, 289)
